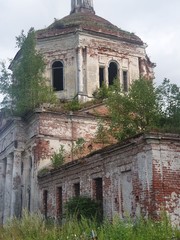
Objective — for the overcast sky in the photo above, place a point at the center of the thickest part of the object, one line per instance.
(156, 22)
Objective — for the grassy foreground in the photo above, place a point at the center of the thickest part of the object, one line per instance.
(34, 227)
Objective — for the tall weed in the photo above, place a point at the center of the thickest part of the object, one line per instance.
(34, 227)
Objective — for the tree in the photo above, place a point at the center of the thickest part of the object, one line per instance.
(132, 112)
(169, 105)
(26, 87)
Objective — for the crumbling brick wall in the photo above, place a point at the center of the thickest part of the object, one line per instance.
(166, 177)
(56, 129)
(26, 146)
(134, 174)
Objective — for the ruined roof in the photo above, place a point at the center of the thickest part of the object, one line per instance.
(88, 22)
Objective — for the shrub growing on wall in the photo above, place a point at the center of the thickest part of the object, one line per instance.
(26, 87)
(58, 158)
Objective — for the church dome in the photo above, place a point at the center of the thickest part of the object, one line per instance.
(88, 22)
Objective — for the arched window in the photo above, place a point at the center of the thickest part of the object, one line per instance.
(112, 72)
(58, 76)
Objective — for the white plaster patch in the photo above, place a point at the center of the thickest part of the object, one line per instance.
(174, 204)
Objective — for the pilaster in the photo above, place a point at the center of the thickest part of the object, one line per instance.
(2, 185)
(26, 182)
(16, 200)
(106, 76)
(80, 69)
(8, 188)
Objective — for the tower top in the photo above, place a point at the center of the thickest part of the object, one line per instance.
(82, 6)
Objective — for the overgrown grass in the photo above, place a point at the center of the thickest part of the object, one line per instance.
(35, 227)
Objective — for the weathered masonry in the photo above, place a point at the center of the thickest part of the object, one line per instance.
(84, 51)
(27, 146)
(139, 176)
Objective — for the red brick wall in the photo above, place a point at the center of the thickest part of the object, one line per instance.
(135, 176)
(166, 179)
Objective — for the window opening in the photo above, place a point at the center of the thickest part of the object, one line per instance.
(30, 163)
(77, 189)
(101, 76)
(125, 81)
(29, 198)
(29, 187)
(98, 193)
(59, 201)
(21, 203)
(112, 72)
(22, 168)
(58, 76)
(45, 203)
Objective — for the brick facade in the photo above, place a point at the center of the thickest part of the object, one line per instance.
(136, 177)
(26, 147)
(139, 177)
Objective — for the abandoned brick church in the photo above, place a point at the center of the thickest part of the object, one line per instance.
(138, 176)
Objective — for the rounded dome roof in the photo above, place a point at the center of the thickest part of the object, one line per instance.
(86, 21)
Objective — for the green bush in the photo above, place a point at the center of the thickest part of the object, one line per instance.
(79, 146)
(102, 135)
(73, 105)
(101, 93)
(43, 172)
(83, 206)
(58, 158)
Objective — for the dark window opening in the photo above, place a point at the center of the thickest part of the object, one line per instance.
(125, 81)
(98, 193)
(140, 66)
(84, 53)
(112, 72)
(58, 76)
(30, 163)
(21, 204)
(45, 203)
(101, 76)
(59, 203)
(98, 190)
(22, 168)
(29, 199)
(77, 189)
(16, 144)
(29, 187)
